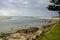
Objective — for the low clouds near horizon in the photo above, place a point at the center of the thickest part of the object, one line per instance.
(25, 8)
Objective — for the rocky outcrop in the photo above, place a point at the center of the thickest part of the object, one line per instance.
(17, 36)
(26, 34)
(22, 31)
(30, 30)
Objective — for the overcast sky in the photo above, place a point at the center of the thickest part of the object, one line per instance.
(25, 8)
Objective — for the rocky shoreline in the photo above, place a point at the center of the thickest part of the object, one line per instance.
(31, 33)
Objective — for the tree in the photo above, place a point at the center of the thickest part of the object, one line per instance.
(55, 7)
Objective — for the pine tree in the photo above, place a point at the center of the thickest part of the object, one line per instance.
(55, 7)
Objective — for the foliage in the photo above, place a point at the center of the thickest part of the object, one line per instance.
(55, 6)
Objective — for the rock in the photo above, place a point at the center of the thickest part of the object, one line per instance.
(32, 30)
(49, 21)
(48, 25)
(22, 31)
(39, 32)
(1, 39)
(17, 36)
(25, 34)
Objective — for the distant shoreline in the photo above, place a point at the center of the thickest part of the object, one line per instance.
(7, 18)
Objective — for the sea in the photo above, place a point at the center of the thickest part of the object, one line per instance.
(18, 23)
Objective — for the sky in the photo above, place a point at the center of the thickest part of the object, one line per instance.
(25, 8)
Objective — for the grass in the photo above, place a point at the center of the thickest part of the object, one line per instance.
(52, 34)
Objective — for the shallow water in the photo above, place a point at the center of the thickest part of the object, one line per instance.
(7, 26)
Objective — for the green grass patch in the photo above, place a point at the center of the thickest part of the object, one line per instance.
(52, 34)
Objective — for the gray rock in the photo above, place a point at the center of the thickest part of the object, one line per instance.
(32, 30)
(22, 31)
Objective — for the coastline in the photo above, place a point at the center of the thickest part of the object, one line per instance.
(7, 18)
(26, 34)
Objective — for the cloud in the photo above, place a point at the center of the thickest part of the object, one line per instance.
(25, 8)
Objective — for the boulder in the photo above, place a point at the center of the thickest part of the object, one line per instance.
(22, 31)
(17, 36)
(32, 29)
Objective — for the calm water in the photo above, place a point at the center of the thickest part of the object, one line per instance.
(7, 26)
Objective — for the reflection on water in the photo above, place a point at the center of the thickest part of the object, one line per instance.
(21, 23)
